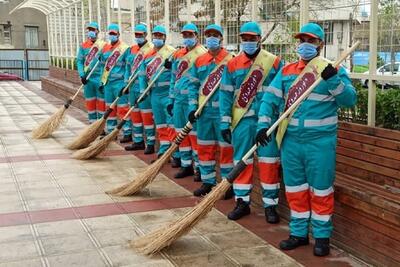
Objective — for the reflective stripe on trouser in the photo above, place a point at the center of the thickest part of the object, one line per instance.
(148, 122)
(269, 172)
(91, 99)
(208, 139)
(136, 118)
(243, 138)
(165, 134)
(308, 173)
(179, 118)
(111, 91)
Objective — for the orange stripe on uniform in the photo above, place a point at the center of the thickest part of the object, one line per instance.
(91, 105)
(135, 117)
(246, 177)
(147, 118)
(193, 141)
(299, 201)
(322, 205)
(121, 112)
(163, 134)
(206, 152)
(100, 105)
(269, 172)
(226, 154)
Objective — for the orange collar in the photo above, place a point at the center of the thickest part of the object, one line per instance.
(221, 55)
(301, 64)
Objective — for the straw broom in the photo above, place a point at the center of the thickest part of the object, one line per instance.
(54, 121)
(165, 236)
(150, 173)
(96, 148)
(92, 131)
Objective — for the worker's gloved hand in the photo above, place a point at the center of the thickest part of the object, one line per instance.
(169, 109)
(167, 64)
(83, 80)
(101, 89)
(122, 92)
(262, 138)
(227, 135)
(328, 72)
(192, 118)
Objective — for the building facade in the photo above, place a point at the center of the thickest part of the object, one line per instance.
(24, 29)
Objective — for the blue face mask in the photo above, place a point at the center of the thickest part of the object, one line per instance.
(212, 43)
(158, 42)
(140, 40)
(249, 47)
(113, 38)
(91, 34)
(189, 42)
(307, 51)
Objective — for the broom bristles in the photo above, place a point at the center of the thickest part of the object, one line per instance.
(96, 148)
(50, 125)
(88, 135)
(146, 177)
(163, 237)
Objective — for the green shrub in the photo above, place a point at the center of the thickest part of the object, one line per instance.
(387, 108)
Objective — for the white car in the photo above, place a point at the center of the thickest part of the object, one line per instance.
(386, 70)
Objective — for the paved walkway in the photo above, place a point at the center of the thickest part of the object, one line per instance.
(54, 212)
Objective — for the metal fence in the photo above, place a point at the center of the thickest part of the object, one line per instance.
(374, 23)
(28, 64)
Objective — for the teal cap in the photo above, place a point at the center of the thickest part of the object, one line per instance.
(312, 30)
(214, 27)
(140, 28)
(113, 28)
(251, 28)
(159, 29)
(93, 25)
(190, 27)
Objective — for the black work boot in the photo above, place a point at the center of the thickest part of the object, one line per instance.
(149, 150)
(176, 162)
(271, 215)
(103, 133)
(321, 247)
(184, 172)
(126, 139)
(203, 190)
(197, 175)
(293, 242)
(229, 194)
(241, 209)
(135, 146)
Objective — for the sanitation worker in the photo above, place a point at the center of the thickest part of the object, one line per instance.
(113, 60)
(308, 150)
(88, 52)
(205, 76)
(244, 82)
(142, 116)
(154, 62)
(178, 106)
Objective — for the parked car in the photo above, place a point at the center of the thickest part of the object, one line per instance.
(386, 70)
(9, 77)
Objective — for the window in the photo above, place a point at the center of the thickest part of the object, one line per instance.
(31, 37)
(7, 34)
